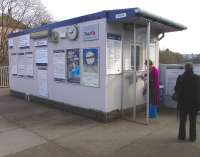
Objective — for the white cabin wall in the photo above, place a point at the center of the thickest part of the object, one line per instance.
(65, 92)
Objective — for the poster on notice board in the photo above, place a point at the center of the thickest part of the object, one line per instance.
(73, 65)
(59, 64)
(90, 72)
(113, 54)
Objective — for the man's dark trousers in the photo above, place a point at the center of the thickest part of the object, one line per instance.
(192, 118)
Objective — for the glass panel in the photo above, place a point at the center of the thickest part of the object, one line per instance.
(152, 53)
(139, 57)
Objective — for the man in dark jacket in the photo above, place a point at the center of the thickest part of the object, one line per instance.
(187, 87)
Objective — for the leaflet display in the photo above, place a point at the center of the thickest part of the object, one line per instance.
(39, 43)
(113, 54)
(90, 71)
(59, 64)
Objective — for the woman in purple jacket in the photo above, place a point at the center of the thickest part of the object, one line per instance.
(154, 89)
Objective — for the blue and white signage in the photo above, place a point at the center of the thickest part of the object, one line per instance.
(91, 32)
(120, 16)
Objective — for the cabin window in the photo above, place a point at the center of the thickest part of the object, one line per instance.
(139, 57)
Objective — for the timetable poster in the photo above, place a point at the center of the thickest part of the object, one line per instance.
(90, 74)
(73, 65)
(59, 62)
(113, 54)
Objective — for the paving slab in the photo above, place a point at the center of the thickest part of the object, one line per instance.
(65, 127)
(160, 143)
(6, 126)
(28, 119)
(104, 139)
(18, 140)
(45, 150)
(4, 92)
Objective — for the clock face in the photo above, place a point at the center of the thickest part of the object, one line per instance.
(72, 32)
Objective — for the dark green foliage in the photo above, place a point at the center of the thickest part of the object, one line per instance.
(169, 57)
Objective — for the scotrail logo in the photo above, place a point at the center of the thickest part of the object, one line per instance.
(90, 33)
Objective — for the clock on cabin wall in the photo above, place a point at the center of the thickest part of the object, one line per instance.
(72, 32)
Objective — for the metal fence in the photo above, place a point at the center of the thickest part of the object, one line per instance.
(4, 76)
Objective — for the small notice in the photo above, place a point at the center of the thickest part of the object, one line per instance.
(59, 64)
(39, 43)
(114, 54)
(10, 43)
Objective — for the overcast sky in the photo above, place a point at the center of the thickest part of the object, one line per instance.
(182, 11)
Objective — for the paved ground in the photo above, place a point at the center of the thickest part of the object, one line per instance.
(32, 130)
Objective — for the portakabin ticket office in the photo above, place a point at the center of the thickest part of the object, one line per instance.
(90, 65)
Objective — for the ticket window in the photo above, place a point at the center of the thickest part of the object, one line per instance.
(139, 57)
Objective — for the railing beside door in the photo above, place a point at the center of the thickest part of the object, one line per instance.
(4, 77)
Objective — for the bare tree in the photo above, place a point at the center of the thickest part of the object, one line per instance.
(19, 14)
